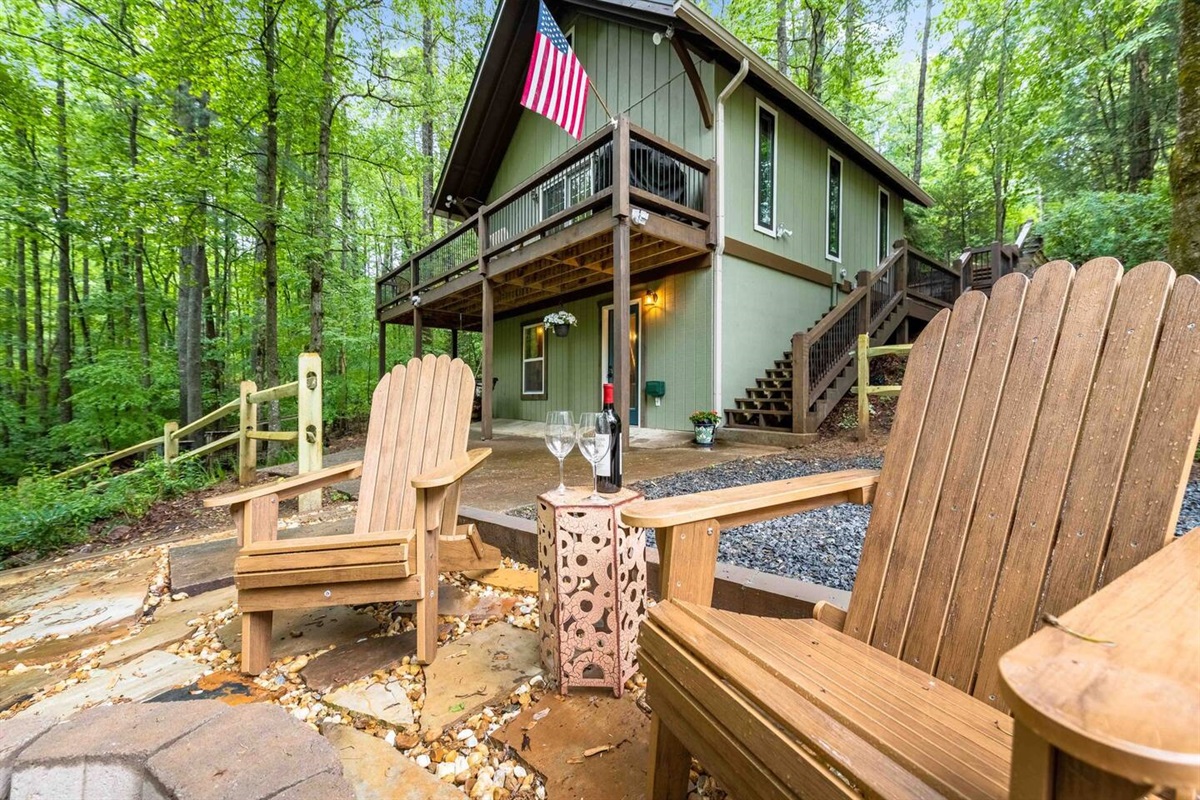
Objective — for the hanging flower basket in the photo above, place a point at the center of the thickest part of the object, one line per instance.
(560, 322)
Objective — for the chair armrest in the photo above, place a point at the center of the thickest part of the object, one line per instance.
(687, 526)
(290, 487)
(451, 471)
(741, 505)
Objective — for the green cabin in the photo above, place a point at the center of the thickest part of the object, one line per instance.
(725, 209)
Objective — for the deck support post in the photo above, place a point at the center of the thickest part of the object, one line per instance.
(454, 342)
(418, 330)
(383, 368)
(485, 403)
(620, 327)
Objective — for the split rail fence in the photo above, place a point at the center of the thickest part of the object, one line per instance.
(863, 387)
(308, 436)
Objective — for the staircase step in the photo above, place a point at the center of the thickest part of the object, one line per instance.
(755, 403)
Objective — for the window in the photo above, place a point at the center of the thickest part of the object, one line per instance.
(765, 170)
(884, 224)
(533, 362)
(833, 210)
(570, 37)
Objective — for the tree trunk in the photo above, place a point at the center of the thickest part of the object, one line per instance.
(782, 37)
(427, 59)
(1000, 134)
(191, 118)
(816, 52)
(919, 147)
(62, 338)
(1185, 162)
(348, 256)
(848, 108)
(318, 255)
(1141, 147)
(41, 370)
(22, 327)
(81, 318)
(270, 210)
(139, 253)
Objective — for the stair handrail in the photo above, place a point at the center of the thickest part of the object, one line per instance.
(806, 386)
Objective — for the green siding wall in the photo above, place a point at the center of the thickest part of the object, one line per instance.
(636, 77)
(762, 308)
(801, 191)
(676, 348)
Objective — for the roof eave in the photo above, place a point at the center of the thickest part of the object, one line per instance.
(710, 29)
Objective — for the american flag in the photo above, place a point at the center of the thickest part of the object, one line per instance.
(556, 84)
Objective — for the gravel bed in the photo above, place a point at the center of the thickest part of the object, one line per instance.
(821, 546)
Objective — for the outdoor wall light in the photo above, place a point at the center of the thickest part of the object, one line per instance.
(651, 299)
(669, 33)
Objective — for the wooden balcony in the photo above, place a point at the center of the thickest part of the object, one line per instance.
(559, 234)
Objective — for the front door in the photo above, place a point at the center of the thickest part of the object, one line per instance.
(607, 351)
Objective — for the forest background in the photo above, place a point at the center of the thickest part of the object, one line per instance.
(194, 191)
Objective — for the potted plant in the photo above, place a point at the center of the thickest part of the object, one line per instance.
(704, 424)
(560, 322)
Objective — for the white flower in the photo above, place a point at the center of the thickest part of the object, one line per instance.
(559, 318)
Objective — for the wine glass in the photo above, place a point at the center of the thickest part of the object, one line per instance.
(595, 440)
(560, 440)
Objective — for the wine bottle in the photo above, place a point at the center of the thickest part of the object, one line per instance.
(608, 472)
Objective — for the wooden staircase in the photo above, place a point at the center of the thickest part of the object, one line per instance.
(908, 284)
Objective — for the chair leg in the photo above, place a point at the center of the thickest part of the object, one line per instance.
(256, 641)
(427, 606)
(670, 763)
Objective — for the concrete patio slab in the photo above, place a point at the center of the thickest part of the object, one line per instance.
(475, 669)
(378, 771)
(568, 728)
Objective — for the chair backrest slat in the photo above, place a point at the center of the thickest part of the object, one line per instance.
(937, 434)
(1004, 462)
(894, 481)
(1030, 440)
(977, 419)
(1160, 454)
(416, 424)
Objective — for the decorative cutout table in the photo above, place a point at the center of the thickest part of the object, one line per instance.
(592, 588)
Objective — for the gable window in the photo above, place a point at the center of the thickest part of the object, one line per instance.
(884, 224)
(833, 209)
(533, 361)
(765, 168)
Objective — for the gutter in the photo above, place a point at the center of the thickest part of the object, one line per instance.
(719, 252)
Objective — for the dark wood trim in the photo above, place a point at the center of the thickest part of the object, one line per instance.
(765, 258)
(706, 113)
(670, 148)
(661, 227)
(669, 206)
(548, 245)
(545, 393)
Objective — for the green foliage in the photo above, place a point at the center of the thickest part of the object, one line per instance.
(1133, 226)
(42, 514)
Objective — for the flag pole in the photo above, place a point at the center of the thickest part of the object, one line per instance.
(603, 104)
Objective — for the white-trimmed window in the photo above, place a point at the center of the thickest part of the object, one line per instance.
(884, 224)
(533, 361)
(833, 208)
(766, 167)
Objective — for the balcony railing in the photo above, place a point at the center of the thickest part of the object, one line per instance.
(579, 184)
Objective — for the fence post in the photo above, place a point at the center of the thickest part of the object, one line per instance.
(247, 422)
(864, 380)
(799, 383)
(902, 266)
(309, 424)
(170, 442)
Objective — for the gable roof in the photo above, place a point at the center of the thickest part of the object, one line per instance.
(489, 117)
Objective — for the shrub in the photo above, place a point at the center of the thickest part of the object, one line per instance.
(43, 513)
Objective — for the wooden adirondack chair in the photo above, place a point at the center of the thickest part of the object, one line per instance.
(1040, 450)
(406, 526)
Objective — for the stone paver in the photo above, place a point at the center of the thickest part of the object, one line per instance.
(140, 679)
(574, 724)
(19, 686)
(378, 771)
(15, 736)
(268, 751)
(347, 663)
(387, 702)
(475, 669)
(56, 649)
(231, 688)
(168, 625)
(515, 580)
(184, 751)
(299, 631)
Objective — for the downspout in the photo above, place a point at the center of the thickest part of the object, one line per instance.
(719, 252)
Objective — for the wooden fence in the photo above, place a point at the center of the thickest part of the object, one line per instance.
(308, 436)
(863, 387)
